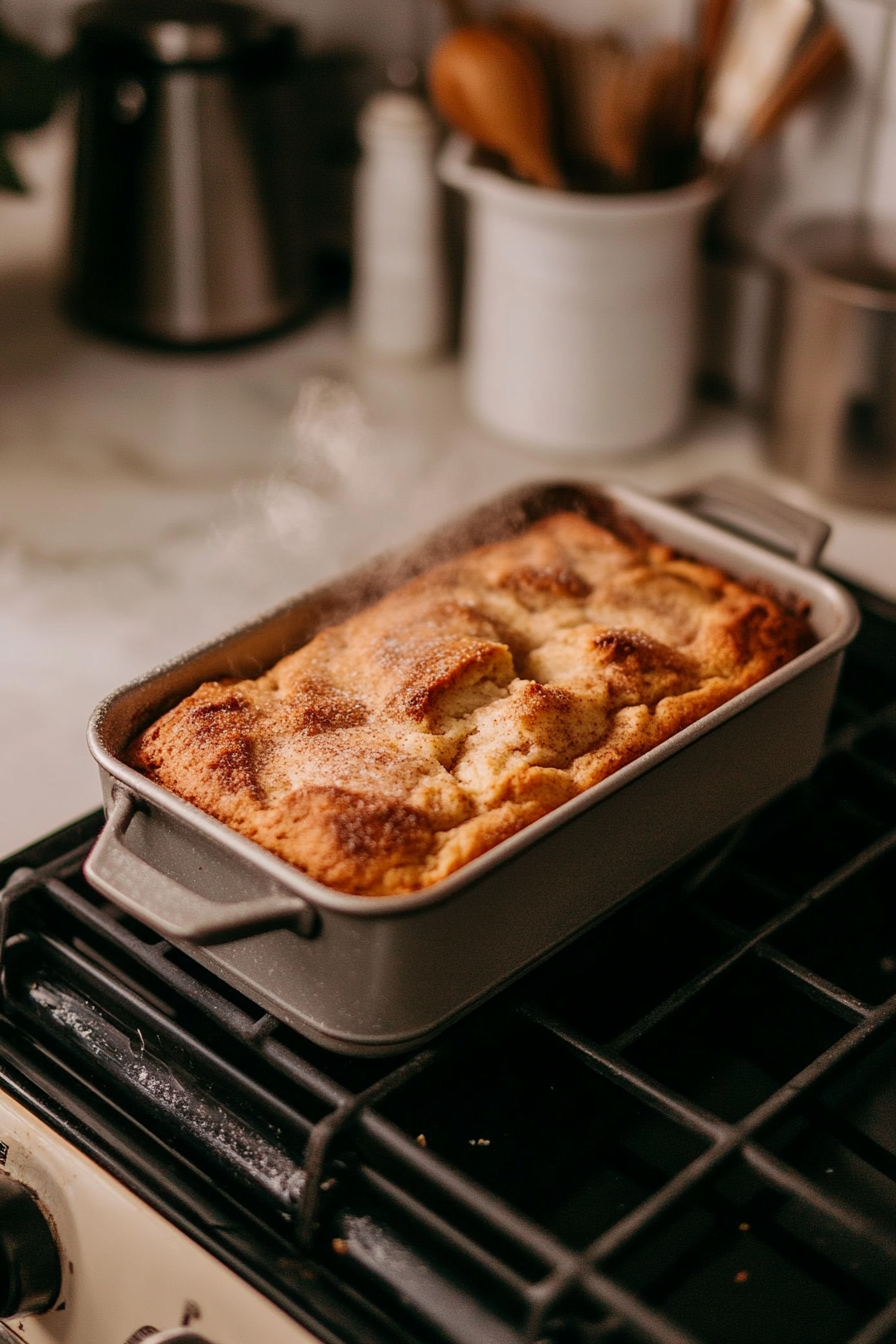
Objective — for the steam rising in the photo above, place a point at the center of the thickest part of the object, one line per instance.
(236, 486)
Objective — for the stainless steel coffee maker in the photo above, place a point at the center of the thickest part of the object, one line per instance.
(189, 220)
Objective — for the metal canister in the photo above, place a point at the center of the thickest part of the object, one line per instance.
(834, 402)
(189, 221)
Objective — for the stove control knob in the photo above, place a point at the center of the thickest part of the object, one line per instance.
(30, 1273)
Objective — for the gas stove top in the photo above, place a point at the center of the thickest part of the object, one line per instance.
(682, 1129)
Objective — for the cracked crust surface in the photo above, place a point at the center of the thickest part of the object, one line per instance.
(399, 745)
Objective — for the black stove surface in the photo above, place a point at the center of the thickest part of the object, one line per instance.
(682, 1129)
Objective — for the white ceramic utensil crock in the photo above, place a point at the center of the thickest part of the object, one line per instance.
(579, 325)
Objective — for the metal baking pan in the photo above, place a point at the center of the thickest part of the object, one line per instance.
(374, 976)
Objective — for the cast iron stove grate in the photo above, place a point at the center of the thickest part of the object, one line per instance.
(680, 1130)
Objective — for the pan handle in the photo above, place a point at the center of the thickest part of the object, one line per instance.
(172, 910)
(752, 513)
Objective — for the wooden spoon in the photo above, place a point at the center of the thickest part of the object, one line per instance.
(584, 64)
(543, 40)
(646, 109)
(621, 112)
(489, 85)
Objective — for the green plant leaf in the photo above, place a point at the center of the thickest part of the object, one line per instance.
(30, 84)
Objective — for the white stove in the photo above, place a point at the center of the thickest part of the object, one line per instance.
(126, 1274)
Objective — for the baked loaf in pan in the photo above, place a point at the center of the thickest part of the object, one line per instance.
(400, 744)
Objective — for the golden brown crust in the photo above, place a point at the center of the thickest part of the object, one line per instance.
(418, 734)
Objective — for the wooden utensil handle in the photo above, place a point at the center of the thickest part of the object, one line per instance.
(713, 22)
(823, 59)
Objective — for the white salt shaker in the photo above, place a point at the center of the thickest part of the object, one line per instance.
(399, 294)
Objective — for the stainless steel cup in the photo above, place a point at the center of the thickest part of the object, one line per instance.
(834, 403)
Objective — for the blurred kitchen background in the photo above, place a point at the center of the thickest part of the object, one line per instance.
(150, 499)
(814, 163)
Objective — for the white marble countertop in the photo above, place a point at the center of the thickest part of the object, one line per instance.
(149, 501)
